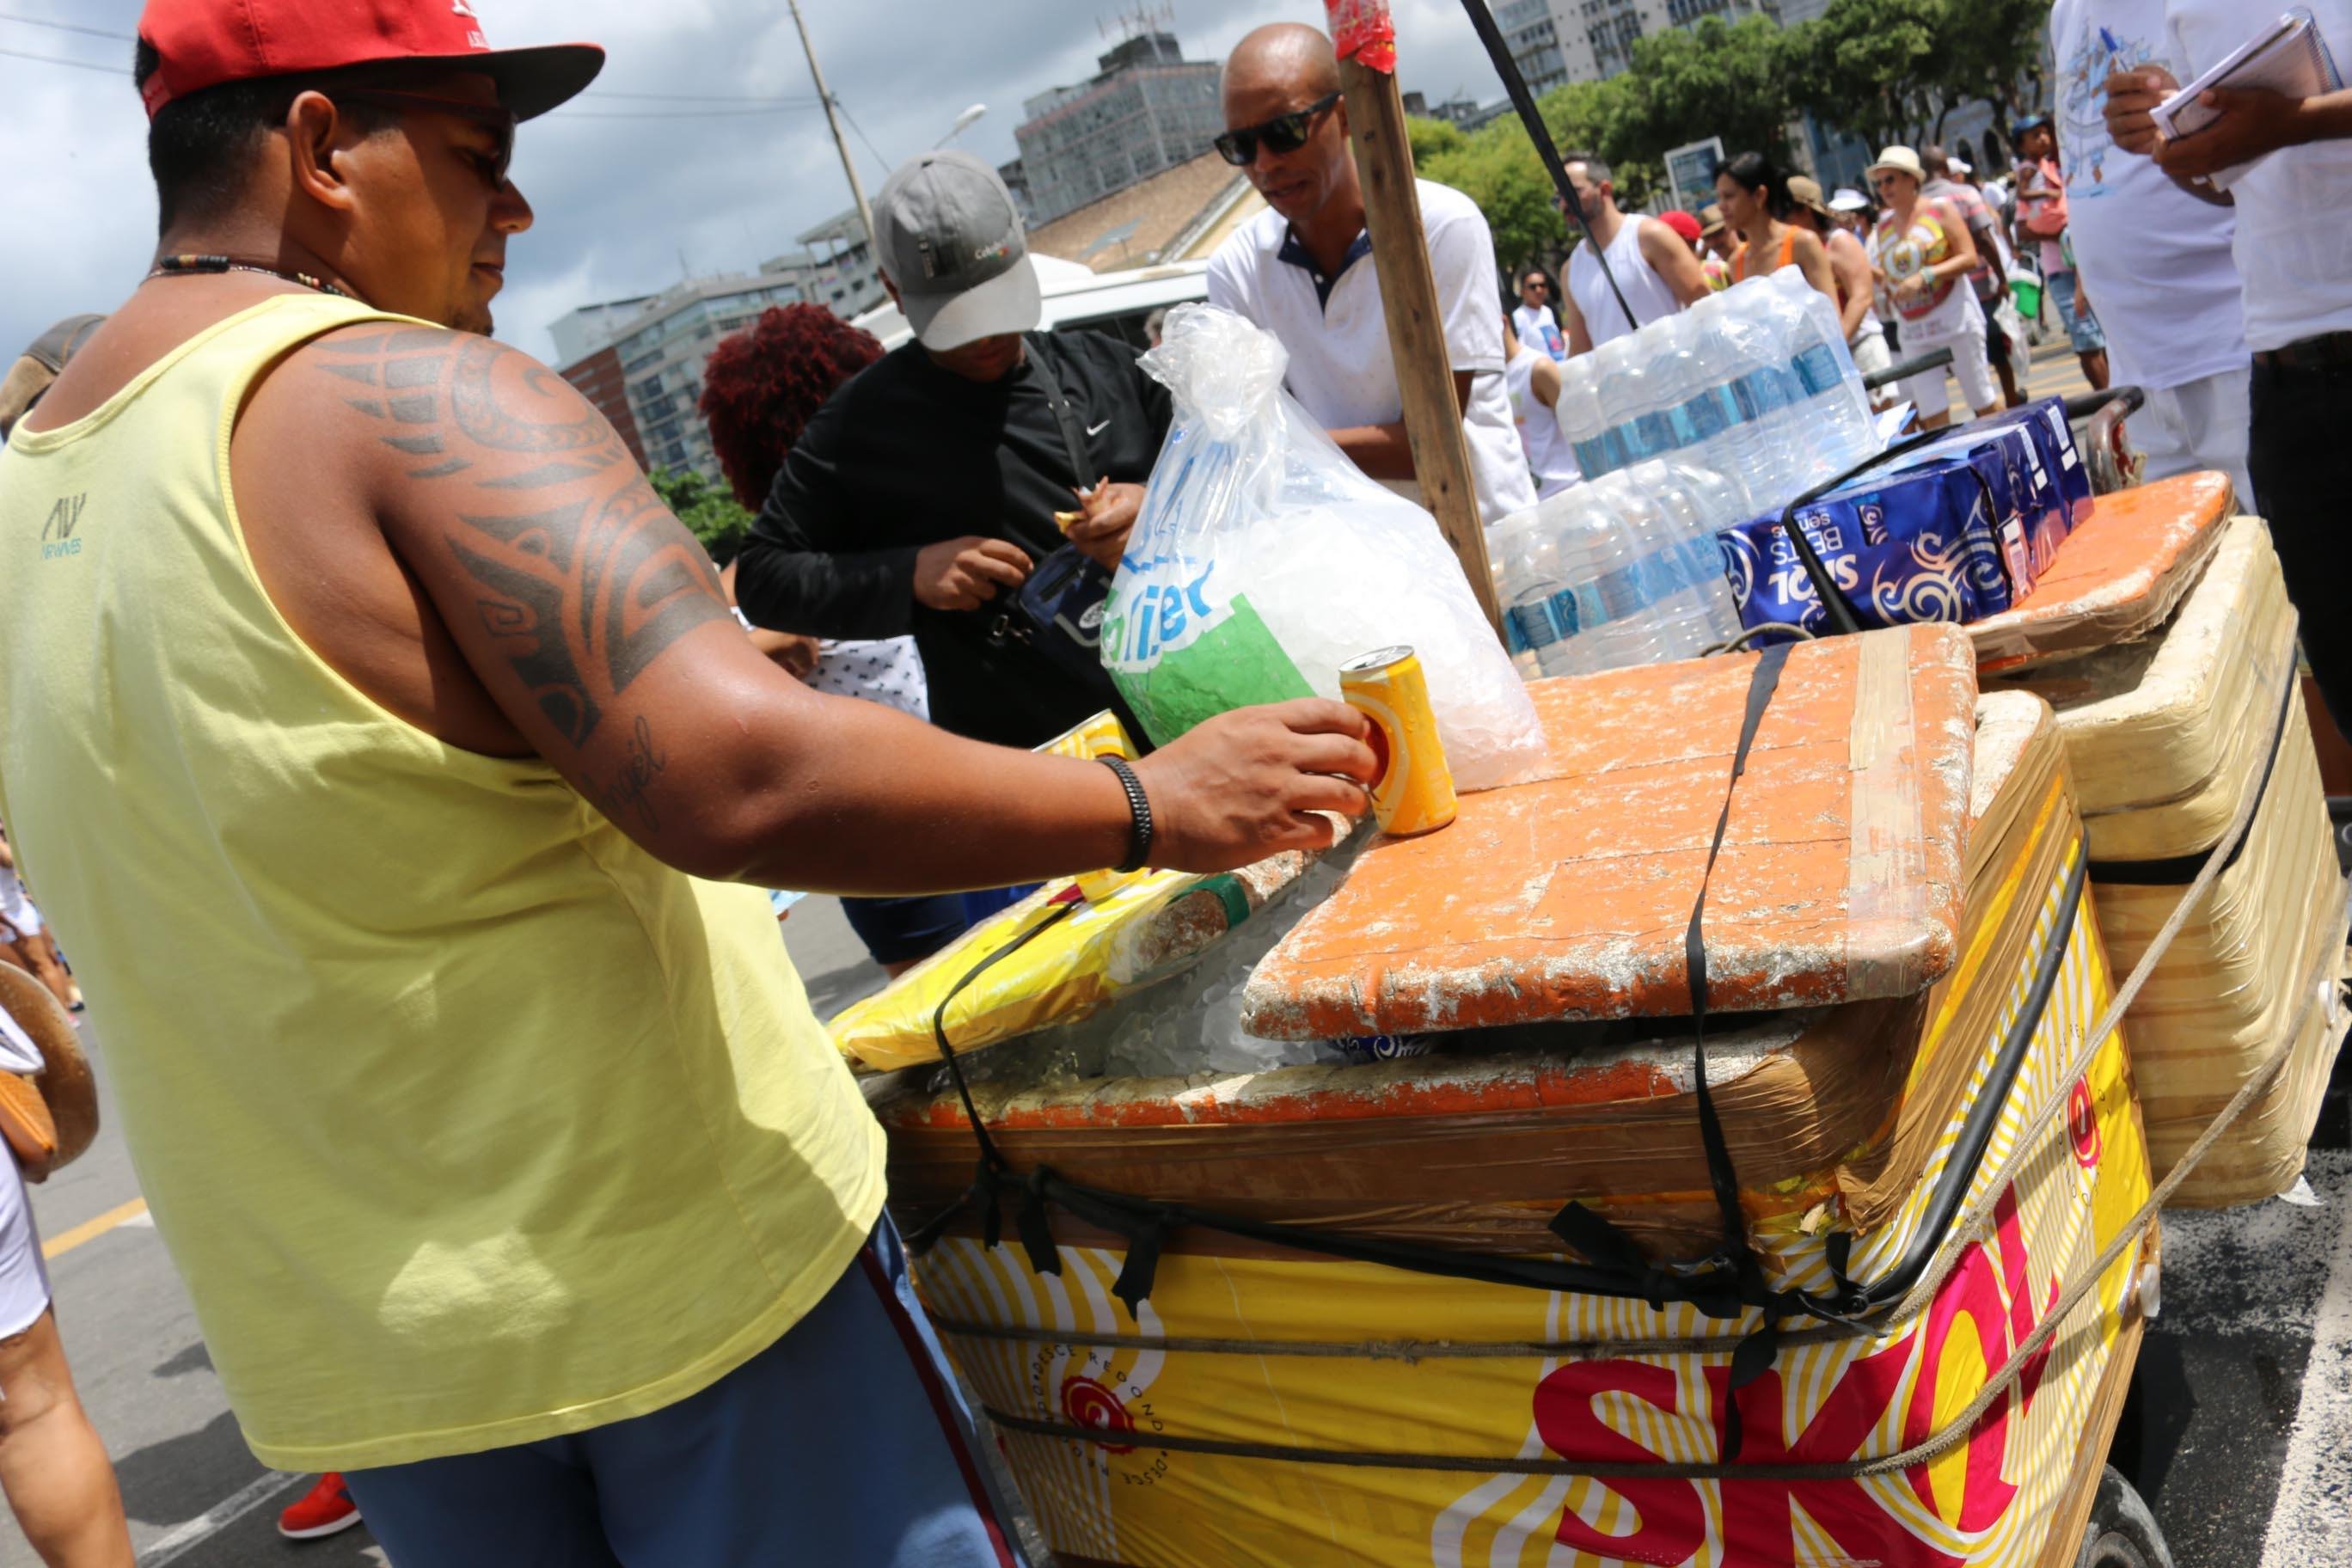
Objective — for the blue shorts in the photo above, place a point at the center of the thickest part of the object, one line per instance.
(845, 1444)
(2083, 328)
(898, 931)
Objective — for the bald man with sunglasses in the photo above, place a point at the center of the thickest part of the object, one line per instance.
(1303, 270)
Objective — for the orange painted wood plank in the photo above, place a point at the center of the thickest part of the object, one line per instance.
(1567, 898)
(2116, 577)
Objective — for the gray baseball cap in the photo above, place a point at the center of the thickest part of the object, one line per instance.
(952, 243)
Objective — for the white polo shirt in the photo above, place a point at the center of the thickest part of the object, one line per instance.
(2157, 260)
(1336, 332)
(2293, 207)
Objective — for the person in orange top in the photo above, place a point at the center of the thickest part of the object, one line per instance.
(1849, 268)
(1754, 198)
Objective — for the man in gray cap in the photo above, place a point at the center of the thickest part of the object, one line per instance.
(933, 483)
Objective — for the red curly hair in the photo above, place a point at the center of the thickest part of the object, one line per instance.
(761, 386)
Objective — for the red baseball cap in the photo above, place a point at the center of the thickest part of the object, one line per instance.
(203, 43)
(1682, 223)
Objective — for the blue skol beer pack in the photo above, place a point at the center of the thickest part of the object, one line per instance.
(1954, 532)
(2044, 423)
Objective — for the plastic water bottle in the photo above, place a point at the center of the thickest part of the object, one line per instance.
(1708, 410)
(1626, 401)
(1732, 358)
(1527, 568)
(1581, 419)
(1837, 409)
(1640, 573)
(1698, 615)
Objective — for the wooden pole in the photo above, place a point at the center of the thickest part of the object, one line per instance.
(1425, 368)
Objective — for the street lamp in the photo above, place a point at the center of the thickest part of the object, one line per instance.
(962, 122)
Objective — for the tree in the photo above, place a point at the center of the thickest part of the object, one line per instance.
(1431, 139)
(1497, 168)
(710, 514)
(1992, 50)
(1719, 78)
(1870, 66)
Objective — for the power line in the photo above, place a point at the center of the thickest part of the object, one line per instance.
(67, 27)
(54, 60)
(784, 102)
(861, 134)
(565, 114)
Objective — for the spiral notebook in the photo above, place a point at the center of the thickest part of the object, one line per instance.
(2289, 57)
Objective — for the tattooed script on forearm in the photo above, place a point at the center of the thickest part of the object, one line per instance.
(582, 576)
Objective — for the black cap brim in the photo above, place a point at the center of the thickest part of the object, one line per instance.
(530, 81)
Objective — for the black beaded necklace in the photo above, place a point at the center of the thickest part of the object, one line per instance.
(183, 266)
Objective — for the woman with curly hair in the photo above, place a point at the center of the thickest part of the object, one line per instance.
(760, 387)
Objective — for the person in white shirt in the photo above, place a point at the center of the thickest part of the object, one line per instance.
(2156, 257)
(1653, 268)
(2288, 166)
(1533, 321)
(1532, 381)
(1303, 270)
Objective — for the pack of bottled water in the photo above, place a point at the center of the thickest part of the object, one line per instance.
(1618, 571)
(1755, 384)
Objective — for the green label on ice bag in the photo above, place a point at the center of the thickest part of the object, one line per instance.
(1232, 663)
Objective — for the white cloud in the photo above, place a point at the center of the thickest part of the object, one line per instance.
(620, 201)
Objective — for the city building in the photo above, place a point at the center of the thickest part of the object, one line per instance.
(1178, 215)
(1465, 113)
(834, 268)
(643, 367)
(1559, 41)
(1015, 176)
(1148, 109)
(1532, 33)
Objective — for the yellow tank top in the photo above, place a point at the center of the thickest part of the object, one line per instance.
(467, 1121)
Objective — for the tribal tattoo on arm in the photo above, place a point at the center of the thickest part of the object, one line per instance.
(581, 577)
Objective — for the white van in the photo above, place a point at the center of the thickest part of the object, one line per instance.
(1076, 296)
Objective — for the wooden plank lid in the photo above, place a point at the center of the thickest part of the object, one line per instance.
(1568, 898)
(2117, 576)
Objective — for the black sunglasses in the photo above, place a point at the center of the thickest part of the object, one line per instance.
(1283, 133)
(488, 117)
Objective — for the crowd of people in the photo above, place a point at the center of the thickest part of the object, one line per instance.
(621, 1290)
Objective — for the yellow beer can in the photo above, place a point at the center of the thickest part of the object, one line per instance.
(1415, 791)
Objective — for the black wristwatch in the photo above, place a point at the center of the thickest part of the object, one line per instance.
(1138, 807)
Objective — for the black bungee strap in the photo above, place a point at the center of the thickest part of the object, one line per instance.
(1539, 134)
(1722, 1286)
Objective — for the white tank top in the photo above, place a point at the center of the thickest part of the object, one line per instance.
(1644, 290)
(1550, 458)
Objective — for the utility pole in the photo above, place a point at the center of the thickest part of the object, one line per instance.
(832, 118)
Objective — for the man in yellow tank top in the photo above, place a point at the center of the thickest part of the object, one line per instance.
(386, 753)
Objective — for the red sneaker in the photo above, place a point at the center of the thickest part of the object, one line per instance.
(325, 1509)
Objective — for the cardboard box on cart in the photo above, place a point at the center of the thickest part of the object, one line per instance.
(1388, 1416)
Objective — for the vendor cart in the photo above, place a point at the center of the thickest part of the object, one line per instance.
(1732, 1146)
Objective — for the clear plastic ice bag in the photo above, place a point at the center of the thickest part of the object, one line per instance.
(1265, 559)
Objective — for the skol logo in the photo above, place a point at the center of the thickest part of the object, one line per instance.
(1989, 1297)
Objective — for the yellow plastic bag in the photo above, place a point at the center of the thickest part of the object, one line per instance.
(1125, 930)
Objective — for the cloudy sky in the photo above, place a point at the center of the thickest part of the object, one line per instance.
(628, 189)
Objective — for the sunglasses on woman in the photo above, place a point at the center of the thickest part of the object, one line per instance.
(1283, 133)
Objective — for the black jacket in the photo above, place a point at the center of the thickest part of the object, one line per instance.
(906, 454)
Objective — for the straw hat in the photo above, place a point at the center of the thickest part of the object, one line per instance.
(1806, 192)
(1901, 161)
(1710, 219)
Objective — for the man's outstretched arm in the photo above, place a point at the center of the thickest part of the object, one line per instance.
(596, 623)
